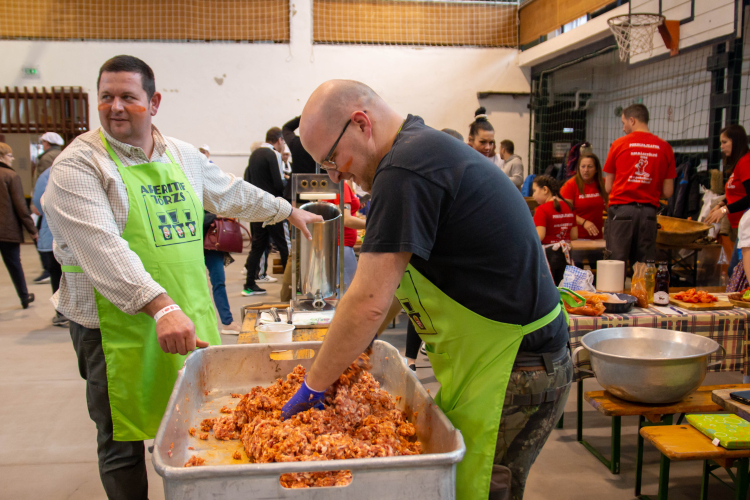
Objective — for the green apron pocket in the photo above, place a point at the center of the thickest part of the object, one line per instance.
(443, 368)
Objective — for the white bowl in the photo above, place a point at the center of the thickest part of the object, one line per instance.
(275, 333)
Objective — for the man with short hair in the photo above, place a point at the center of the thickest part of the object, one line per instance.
(485, 329)
(512, 166)
(125, 206)
(265, 171)
(640, 169)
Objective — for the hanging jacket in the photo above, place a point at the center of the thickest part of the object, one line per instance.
(686, 200)
(527, 185)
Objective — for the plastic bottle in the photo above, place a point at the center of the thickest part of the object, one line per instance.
(650, 280)
(661, 285)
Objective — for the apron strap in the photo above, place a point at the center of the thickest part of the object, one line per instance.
(170, 156)
(543, 321)
(71, 269)
(111, 152)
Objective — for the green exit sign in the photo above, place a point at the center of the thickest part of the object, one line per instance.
(31, 72)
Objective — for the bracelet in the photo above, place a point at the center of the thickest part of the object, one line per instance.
(166, 310)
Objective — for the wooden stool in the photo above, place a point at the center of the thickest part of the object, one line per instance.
(684, 442)
(648, 415)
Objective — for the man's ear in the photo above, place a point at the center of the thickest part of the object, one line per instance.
(362, 121)
(155, 101)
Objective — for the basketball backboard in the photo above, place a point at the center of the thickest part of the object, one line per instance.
(701, 22)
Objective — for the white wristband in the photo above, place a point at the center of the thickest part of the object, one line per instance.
(166, 310)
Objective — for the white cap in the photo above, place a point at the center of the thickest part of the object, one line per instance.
(52, 138)
(205, 148)
(286, 149)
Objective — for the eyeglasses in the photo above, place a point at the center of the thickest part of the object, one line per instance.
(327, 163)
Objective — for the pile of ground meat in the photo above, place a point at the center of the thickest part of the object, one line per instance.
(360, 420)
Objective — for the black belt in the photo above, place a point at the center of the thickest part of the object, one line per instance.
(525, 359)
(636, 204)
(546, 359)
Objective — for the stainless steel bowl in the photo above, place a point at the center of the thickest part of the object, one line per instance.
(649, 365)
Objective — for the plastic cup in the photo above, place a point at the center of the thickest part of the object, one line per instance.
(275, 333)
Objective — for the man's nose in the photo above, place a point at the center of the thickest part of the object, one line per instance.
(117, 104)
(334, 175)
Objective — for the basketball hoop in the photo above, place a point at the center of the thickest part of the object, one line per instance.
(634, 33)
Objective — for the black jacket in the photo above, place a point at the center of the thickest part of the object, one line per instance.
(302, 162)
(263, 171)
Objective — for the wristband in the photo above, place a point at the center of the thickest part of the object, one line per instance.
(725, 209)
(166, 310)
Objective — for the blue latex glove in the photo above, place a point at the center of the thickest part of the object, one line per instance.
(304, 399)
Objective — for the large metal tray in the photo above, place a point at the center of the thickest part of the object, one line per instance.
(209, 377)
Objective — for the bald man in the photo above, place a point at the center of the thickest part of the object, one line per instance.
(450, 235)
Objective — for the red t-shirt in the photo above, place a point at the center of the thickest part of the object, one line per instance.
(640, 162)
(558, 224)
(588, 205)
(350, 235)
(734, 189)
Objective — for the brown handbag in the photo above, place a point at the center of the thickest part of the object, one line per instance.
(224, 235)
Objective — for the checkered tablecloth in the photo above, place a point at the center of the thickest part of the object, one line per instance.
(729, 328)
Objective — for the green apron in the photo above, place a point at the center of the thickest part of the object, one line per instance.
(472, 357)
(165, 229)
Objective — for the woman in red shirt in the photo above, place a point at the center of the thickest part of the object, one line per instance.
(555, 224)
(737, 166)
(586, 194)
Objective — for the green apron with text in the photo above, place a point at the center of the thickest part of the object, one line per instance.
(165, 229)
(472, 357)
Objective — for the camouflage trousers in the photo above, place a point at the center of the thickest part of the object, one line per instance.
(525, 429)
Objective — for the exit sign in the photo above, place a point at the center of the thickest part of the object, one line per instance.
(30, 72)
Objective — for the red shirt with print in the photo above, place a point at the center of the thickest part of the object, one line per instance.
(588, 205)
(734, 189)
(640, 162)
(558, 224)
(350, 235)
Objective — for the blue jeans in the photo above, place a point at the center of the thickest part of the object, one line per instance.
(215, 264)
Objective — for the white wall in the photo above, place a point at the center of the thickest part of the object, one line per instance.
(228, 95)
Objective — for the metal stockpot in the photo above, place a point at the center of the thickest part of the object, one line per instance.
(319, 258)
(649, 365)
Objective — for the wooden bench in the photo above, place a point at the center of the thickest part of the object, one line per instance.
(684, 442)
(608, 405)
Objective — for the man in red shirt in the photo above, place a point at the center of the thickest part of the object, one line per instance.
(640, 170)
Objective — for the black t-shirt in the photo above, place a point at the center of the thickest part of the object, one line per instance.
(468, 228)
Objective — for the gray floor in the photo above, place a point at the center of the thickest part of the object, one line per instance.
(48, 447)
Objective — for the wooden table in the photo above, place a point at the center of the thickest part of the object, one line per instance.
(605, 403)
(588, 245)
(721, 398)
(684, 442)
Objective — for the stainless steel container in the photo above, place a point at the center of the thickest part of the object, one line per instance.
(209, 377)
(319, 258)
(649, 365)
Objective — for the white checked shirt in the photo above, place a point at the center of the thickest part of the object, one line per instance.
(86, 205)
